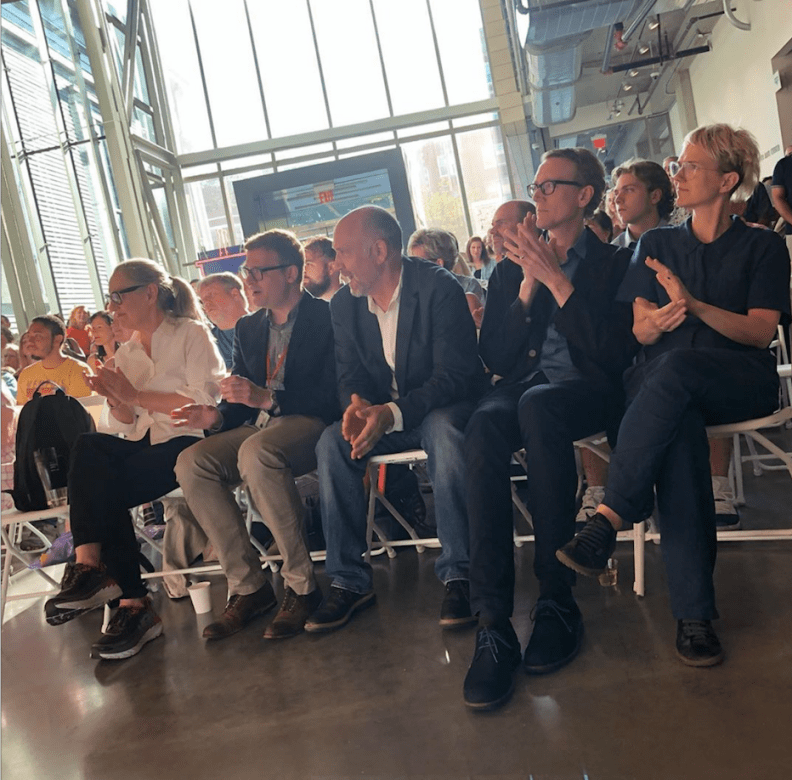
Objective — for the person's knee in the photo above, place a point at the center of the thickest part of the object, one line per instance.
(258, 455)
(441, 432)
(331, 445)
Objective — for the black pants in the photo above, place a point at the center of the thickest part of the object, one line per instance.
(107, 476)
(662, 444)
(544, 418)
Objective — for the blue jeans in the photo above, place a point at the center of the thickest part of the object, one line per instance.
(344, 503)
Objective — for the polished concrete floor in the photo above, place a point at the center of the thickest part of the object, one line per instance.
(382, 697)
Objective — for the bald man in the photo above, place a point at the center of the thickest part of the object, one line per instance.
(408, 375)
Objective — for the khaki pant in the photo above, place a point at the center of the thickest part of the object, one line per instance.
(267, 461)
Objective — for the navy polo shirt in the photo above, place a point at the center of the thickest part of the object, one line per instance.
(745, 268)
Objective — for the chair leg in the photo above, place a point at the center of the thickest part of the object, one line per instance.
(639, 550)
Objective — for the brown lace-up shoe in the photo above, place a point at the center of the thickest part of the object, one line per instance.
(293, 613)
(240, 610)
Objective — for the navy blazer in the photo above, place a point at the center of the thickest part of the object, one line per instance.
(596, 326)
(437, 361)
(309, 373)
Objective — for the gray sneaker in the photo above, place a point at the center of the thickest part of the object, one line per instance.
(83, 588)
(128, 631)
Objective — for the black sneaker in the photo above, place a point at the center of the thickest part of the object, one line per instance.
(489, 681)
(83, 588)
(697, 643)
(337, 608)
(128, 631)
(556, 638)
(589, 551)
(455, 609)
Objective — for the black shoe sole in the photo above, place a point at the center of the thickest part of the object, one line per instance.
(571, 563)
(65, 615)
(556, 665)
(320, 628)
(488, 706)
(700, 663)
(454, 624)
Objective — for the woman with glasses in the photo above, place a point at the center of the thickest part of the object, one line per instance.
(171, 360)
(707, 297)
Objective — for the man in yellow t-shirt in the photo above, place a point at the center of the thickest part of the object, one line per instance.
(46, 335)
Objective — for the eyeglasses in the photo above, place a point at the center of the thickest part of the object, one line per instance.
(687, 169)
(548, 187)
(115, 297)
(257, 274)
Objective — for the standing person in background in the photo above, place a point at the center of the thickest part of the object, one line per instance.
(103, 342)
(45, 336)
(76, 328)
(478, 257)
(782, 192)
(320, 277)
(171, 361)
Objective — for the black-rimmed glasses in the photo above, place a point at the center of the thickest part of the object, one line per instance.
(548, 187)
(257, 274)
(115, 297)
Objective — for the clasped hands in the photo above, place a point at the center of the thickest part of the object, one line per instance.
(364, 424)
(540, 260)
(669, 317)
(113, 385)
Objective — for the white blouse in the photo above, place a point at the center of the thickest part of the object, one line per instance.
(184, 360)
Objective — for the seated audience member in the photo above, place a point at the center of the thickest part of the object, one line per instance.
(45, 336)
(602, 227)
(554, 332)
(171, 361)
(408, 374)
(25, 354)
(643, 197)
(441, 247)
(103, 342)
(320, 276)
(679, 214)
(276, 403)
(781, 192)
(508, 216)
(10, 360)
(707, 297)
(76, 328)
(223, 299)
(477, 255)
(5, 322)
(610, 210)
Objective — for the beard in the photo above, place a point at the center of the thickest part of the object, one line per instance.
(317, 288)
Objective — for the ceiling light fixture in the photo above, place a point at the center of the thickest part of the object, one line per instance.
(654, 24)
(643, 49)
(626, 87)
(633, 73)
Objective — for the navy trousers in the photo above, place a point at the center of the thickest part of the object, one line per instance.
(545, 419)
(662, 444)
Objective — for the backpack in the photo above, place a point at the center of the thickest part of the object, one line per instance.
(45, 421)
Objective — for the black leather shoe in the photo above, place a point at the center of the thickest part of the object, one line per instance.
(240, 610)
(697, 644)
(337, 609)
(556, 638)
(589, 551)
(455, 610)
(489, 682)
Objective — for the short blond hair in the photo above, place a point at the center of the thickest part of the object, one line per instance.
(734, 149)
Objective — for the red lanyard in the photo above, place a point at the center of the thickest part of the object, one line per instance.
(277, 367)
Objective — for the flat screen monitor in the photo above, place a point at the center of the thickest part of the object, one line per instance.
(309, 201)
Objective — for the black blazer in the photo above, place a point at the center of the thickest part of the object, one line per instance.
(309, 378)
(598, 329)
(437, 361)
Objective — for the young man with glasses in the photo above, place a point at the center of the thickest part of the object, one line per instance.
(276, 403)
(555, 334)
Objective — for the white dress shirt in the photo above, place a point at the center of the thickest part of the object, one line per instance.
(184, 360)
(388, 323)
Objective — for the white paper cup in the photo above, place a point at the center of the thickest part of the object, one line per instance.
(200, 597)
